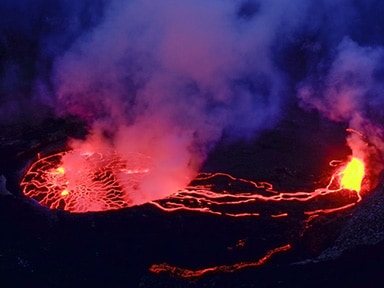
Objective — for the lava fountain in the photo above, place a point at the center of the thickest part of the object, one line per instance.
(353, 174)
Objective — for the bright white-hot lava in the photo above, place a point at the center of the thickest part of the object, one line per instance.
(352, 175)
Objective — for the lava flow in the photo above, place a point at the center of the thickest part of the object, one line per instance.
(258, 199)
(206, 197)
(104, 181)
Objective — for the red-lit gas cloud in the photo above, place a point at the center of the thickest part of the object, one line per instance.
(351, 92)
(169, 80)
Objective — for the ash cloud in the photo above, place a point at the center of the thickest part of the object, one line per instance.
(171, 79)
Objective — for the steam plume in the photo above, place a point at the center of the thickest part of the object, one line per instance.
(351, 92)
(170, 79)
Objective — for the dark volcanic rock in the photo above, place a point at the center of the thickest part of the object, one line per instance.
(40, 247)
(366, 226)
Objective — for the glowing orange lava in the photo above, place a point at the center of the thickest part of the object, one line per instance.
(205, 197)
(353, 175)
(187, 273)
(90, 181)
(105, 181)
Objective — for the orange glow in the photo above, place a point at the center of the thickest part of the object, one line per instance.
(352, 175)
(187, 273)
(82, 182)
(204, 198)
(104, 181)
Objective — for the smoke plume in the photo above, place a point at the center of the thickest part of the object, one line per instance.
(351, 92)
(170, 79)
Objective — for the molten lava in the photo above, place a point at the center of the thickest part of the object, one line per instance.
(186, 273)
(80, 182)
(259, 197)
(353, 175)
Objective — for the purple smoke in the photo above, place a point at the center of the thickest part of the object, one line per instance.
(171, 79)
